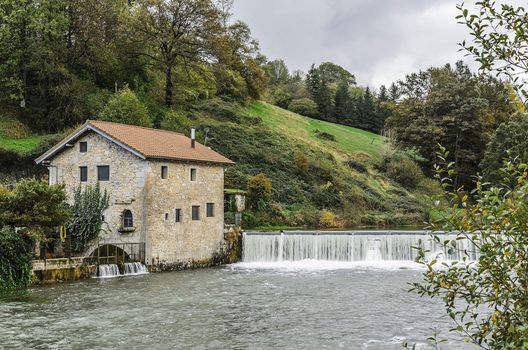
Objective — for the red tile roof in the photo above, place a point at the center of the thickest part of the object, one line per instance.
(149, 143)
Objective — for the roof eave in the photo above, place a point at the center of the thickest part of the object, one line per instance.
(82, 129)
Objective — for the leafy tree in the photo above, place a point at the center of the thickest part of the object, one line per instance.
(88, 208)
(485, 298)
(509, 141)
(447, 105)
(34, 206)
(277, 72)
(499, 39)
(124, 107)
(303, 106)
(178, 33)
(259, 191)
(332, 73)
(15, 261)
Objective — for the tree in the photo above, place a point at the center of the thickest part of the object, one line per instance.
(16, 268)
(124, 107)
(303, 106)
(33, 207)
(88, 208)
(486, 298)
(277, 72)
(332, 73)
(342, 100)
(319, 91)
(510, 141)
(499, 39)
(179, 32)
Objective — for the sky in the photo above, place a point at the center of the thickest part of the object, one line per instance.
(379, 41)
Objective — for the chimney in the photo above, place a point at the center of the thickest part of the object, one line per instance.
(193, 137)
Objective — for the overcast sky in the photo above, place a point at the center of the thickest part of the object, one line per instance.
(378, 41)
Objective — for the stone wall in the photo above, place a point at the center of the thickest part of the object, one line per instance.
(126, 187)
(195, 242)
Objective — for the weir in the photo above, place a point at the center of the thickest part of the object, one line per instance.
(349, 246)
(129, 269)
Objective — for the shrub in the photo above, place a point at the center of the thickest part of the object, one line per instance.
(88, 207)
(14, 129)
(404, 171)
(124, 107)
(259, 191)
(176, 121)
(301, 162)
(324, 135)
(304, 106)
(15, 261)
(352, 164)
(327, 219)
(222, 110)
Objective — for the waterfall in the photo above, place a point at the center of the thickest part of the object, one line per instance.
(349, 246)
(135, 268)
(112, 270)
(108, 270)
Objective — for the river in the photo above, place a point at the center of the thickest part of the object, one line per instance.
(304, 304)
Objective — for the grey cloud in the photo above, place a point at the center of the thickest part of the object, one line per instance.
(378, 41)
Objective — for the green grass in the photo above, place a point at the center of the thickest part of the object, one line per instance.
(23, 145)
(347, 139)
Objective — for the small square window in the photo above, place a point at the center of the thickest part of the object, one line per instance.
(178, 215)
(196, 212)
(83, 147)
(83, 173)
(103, 172)
(166, 216)
(164, 171)
(210, 210)
(193, 174)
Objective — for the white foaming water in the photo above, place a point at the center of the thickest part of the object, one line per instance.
(135, 268)
(349, 250)
(107, 270)
(112, 270)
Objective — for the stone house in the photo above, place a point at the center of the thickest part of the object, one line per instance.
(166, 190)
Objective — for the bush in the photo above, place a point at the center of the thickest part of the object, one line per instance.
(352, 164)
(176, 121)
(404, 171)
(124, 107)
(327, 219)
(304, 106)
(15, 261)
(259, 191)
(13, 129)
(88, 208)
(324, 135)
(222, 110)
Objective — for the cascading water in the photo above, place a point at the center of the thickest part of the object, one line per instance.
(349, 246)
(135, 268)
(107, 270)
(112, 270)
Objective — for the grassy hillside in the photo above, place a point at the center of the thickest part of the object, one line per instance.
(316, 167)
(312, 173)
(348, 140)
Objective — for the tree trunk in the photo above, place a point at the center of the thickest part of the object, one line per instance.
(168, 85)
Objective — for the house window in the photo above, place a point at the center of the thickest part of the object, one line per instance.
(193, 174)
(178, 215)
(196, 212)
(103, 172)
(210, 210)
(83, 173)
(166, 216)
(128, 219)
(83, 147)
(164, 171)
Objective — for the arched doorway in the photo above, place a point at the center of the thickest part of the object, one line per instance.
(110, 254)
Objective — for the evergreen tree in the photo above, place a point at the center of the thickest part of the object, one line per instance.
(342, 101)
(319, 91)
